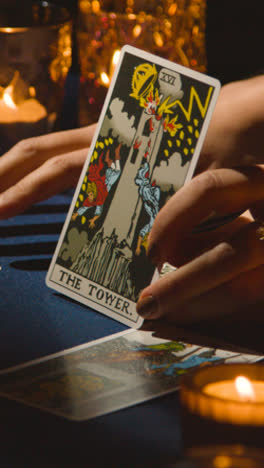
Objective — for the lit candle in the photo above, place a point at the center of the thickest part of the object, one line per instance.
(94, 90)
(19, 121)
(30, 111)
(223, 457)
(114, 61)
(104, 77)
(225, 403)
(241, 388)
(105, 80)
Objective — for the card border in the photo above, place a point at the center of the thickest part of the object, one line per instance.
(165, 64)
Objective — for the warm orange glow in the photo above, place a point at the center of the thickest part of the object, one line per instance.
(105, 79)
(115, 58)
(32, 91)
(114, 62)
(137, 30)
(173, 29)
(96, 6)
(84, 6)
(158, 39)
(222, 461)
(195, 30)
(244, 388)
(7, 97)
(172, 9)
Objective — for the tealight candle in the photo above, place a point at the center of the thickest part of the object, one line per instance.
(29, 111)
(223, 404)
(35, 57)
(18, 121)
(236, 456)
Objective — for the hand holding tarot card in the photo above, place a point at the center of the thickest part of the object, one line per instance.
(146, 147)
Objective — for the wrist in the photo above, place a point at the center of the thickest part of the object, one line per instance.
(252, 119)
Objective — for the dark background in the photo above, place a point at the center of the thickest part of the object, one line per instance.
(234, 38)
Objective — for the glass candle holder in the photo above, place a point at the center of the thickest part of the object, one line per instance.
(171, 29)
(236, 456)
(223, 405)
(35, 56)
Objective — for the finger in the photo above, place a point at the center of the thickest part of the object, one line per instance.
(242, 298)
(31, 153)
(194, 245)
(223, 263)
(218, 192)
(54, 176)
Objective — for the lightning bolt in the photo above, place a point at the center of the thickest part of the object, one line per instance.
(195, 97)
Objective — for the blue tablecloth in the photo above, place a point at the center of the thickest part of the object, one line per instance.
(36, 321)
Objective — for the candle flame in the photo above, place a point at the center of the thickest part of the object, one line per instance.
(137, 30)
(7, 97)
(96, 6)
(105, 79)
(244, 388)
(172, 9)
(32, 91)
(115, 58)
(222, 461)
(158, 39)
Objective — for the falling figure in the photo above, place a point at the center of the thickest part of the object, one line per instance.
(150, 195)
(99, 185)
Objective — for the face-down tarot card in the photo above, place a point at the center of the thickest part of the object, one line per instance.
(146, 146)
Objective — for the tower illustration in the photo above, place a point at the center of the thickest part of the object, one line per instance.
(126, 205)
(107, 258)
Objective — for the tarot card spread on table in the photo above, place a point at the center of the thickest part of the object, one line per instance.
(146, 147)
(109, 374)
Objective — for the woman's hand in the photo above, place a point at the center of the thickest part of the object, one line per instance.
(37, 168)
(219, 272)
(235, 134)
(40, 167)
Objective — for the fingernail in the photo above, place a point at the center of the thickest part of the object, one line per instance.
(147, 307)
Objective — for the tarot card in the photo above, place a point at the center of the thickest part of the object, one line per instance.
(146, 146)
(108, 374)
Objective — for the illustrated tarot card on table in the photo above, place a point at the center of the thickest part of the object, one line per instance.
(146, 147)
(108, 374)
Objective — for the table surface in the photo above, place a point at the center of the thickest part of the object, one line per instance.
(36, 321)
